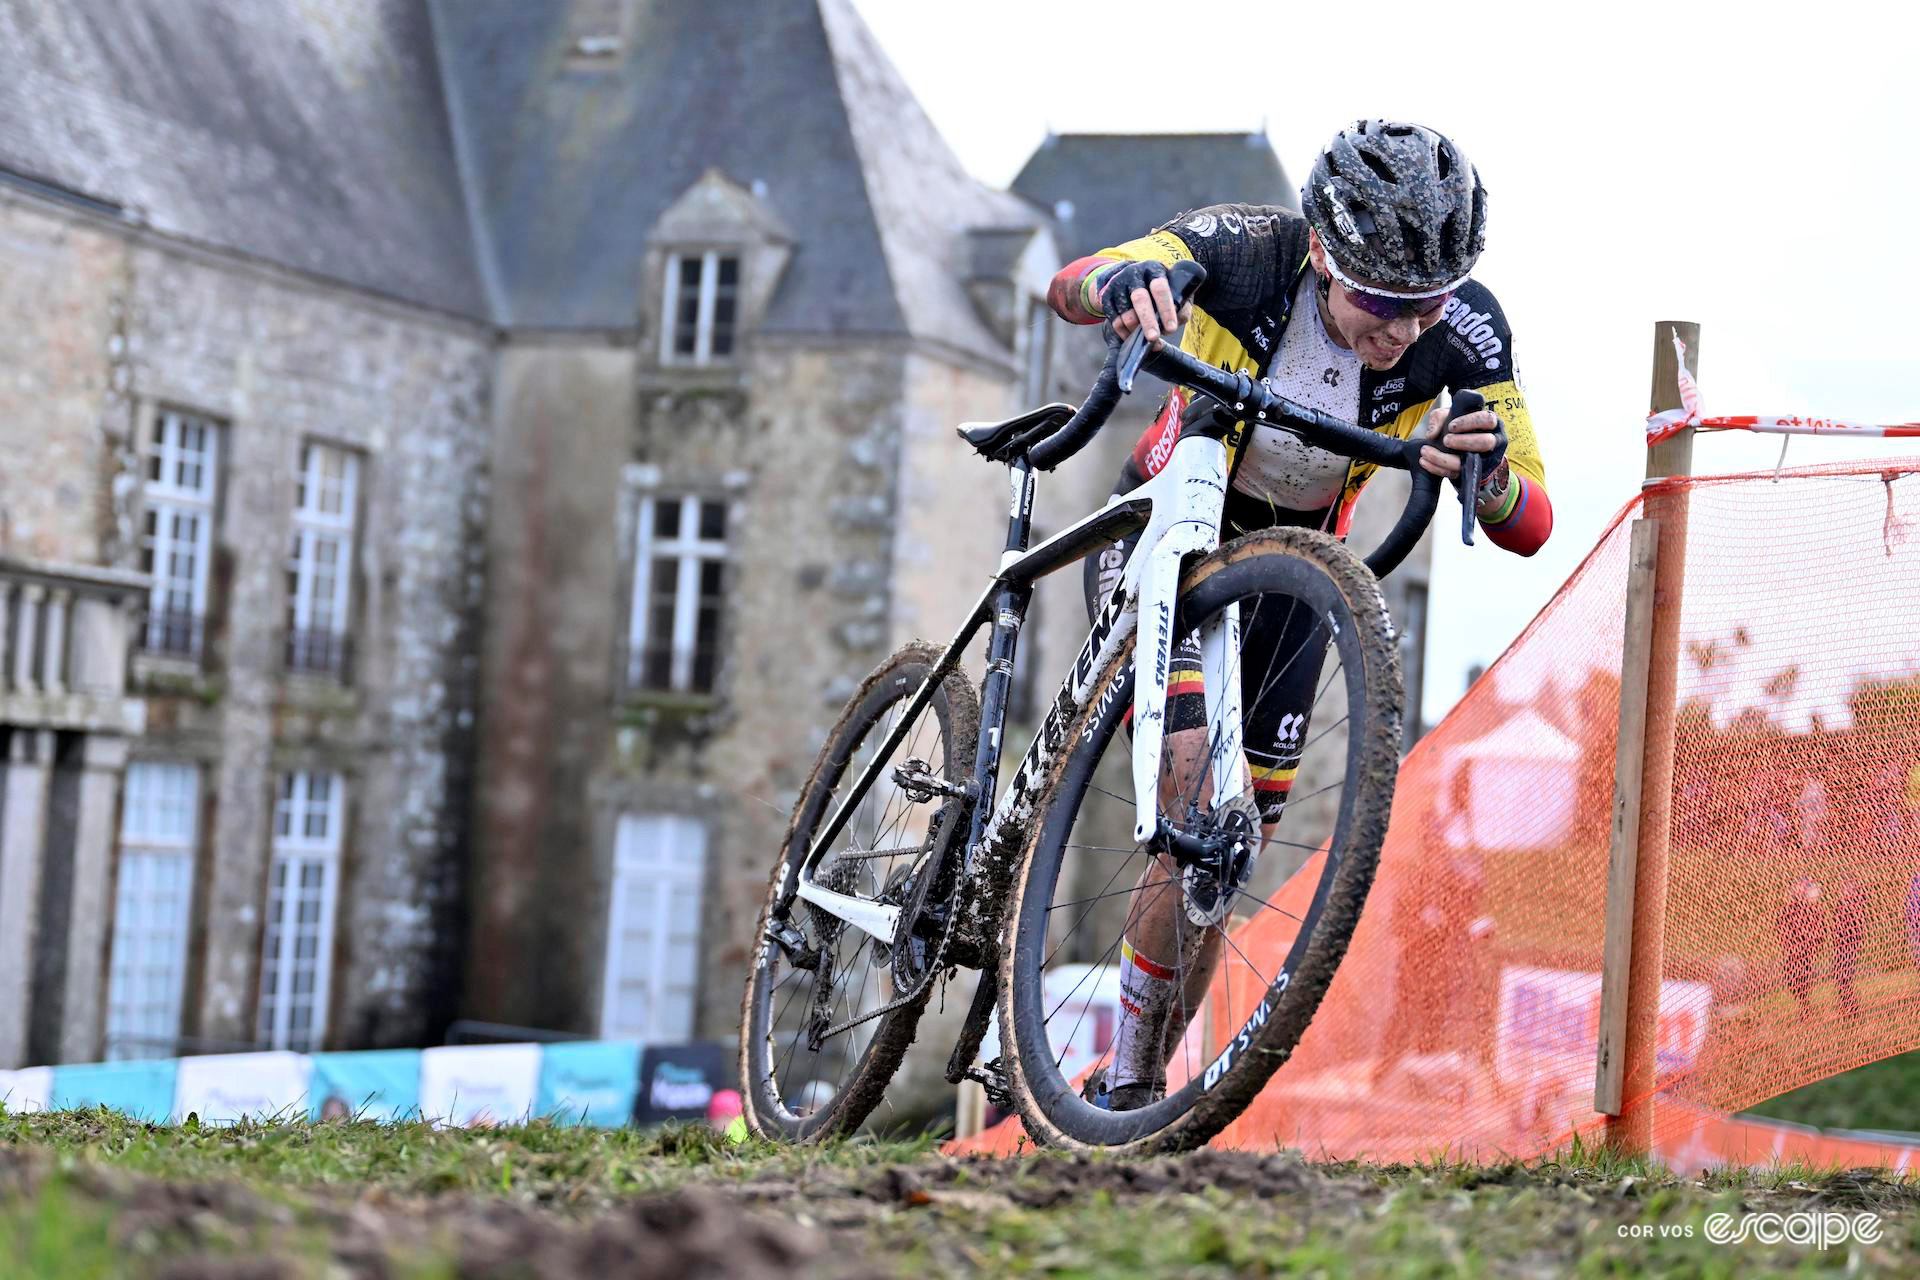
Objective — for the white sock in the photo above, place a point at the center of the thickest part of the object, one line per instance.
(1147, 993)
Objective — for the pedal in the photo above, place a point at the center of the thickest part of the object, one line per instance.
(993, 1081)
(919, 784)
(793, 945)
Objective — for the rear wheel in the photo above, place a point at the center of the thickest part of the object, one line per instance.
(819, 1040)
(1081, 883)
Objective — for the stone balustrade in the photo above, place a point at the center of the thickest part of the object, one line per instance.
(65, 632)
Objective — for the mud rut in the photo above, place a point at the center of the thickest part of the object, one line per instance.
(827, 1221)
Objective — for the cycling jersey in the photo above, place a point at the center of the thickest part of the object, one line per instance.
(1256, 261)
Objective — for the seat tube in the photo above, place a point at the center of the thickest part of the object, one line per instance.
(1009, 610)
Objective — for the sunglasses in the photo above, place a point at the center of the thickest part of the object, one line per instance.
(1392, 306)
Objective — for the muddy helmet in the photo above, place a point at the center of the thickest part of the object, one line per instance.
(1398, 204)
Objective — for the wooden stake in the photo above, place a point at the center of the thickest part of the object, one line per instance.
(1631, 1130)
(1624, 841)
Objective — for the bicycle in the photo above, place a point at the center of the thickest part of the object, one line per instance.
(923, 866)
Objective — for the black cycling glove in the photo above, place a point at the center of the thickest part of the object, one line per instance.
(1116, 294)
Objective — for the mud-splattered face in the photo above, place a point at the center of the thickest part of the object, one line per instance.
(1379, 343)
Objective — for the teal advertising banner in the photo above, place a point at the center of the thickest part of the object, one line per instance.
(589, 1082)
(378, 1084)
(143, 1090)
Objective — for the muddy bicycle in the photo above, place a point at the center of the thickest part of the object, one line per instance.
(905, 861)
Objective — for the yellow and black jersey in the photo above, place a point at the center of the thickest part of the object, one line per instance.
(1256, 258)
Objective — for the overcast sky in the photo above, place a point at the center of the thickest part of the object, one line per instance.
(1757, 171)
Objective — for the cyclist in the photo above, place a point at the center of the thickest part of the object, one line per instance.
(1362, 308)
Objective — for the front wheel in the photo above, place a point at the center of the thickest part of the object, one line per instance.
(1312, 624)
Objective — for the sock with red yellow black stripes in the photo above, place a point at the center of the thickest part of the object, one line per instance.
(1147, 990)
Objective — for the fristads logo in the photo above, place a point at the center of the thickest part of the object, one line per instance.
(1472, 333)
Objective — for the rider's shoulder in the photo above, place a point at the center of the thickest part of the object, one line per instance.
(1472, 337)
(1213, 221)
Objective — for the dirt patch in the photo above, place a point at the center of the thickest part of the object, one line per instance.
(795, 1215)
(221, 1230)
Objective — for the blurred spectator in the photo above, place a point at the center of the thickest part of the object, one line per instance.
(1802, 926)
(1436, 923)
(1849, 931)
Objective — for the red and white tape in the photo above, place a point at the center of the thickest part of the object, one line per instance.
(1662, 425)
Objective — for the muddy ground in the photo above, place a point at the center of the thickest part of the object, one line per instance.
(1203, 1214)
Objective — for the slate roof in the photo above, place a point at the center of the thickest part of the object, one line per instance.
(456, 152)
(1117, 186)
(313, 136)
(792, 99)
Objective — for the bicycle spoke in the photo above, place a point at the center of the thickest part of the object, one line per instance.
(1061, 906)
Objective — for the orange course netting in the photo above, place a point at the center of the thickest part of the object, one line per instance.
(1463, 1020)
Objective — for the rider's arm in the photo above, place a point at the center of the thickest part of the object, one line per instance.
(1236, 243)
(1521, 518)
(1075, 292)
(1517, 515)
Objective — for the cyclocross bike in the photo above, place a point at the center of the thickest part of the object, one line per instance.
(900, 864)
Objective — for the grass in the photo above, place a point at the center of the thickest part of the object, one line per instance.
(1880, 1095)
(92, 1194)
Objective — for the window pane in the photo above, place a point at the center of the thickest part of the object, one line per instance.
(706, 648)
(666, 518)
(712, 574)
(729, 271)
(713, 521)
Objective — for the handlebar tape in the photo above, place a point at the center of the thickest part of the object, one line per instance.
(1115, 380)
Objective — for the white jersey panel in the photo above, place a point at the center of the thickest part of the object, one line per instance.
(1309, 368)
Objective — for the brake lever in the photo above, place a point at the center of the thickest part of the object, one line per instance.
(1132, 352)
(1464, 403)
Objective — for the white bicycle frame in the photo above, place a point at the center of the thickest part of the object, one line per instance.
(1184, 503)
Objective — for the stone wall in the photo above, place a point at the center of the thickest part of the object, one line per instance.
(801, 441)
(134, 324)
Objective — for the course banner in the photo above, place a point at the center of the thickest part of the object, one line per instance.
(143, 1090)
(375, 1084)
(27, 1090)
(470, 1086)
(228, 1087)
(589, 1082)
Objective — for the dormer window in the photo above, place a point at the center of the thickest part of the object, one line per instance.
(701, 308)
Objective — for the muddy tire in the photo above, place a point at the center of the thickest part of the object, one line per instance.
(774, 1073)
(1329, 578)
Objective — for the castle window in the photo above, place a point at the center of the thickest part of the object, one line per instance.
(176, 541)
(146, 967)
(320, 564)
(700, 308)
(679, 580)
(302, 890)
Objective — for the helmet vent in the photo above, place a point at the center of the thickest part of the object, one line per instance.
(1412, 237)
(1443, 162)
(1380, 168)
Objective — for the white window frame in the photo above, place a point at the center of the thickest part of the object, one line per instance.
(667, 851)
(1036, 365)
(703, 323)
(168, 501)
(159, 841)
(690, 552)
(295, 849)
(313, 526)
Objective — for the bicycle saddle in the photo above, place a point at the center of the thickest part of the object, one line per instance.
(1003, 441)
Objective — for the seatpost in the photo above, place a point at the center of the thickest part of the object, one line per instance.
(1009, 611)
